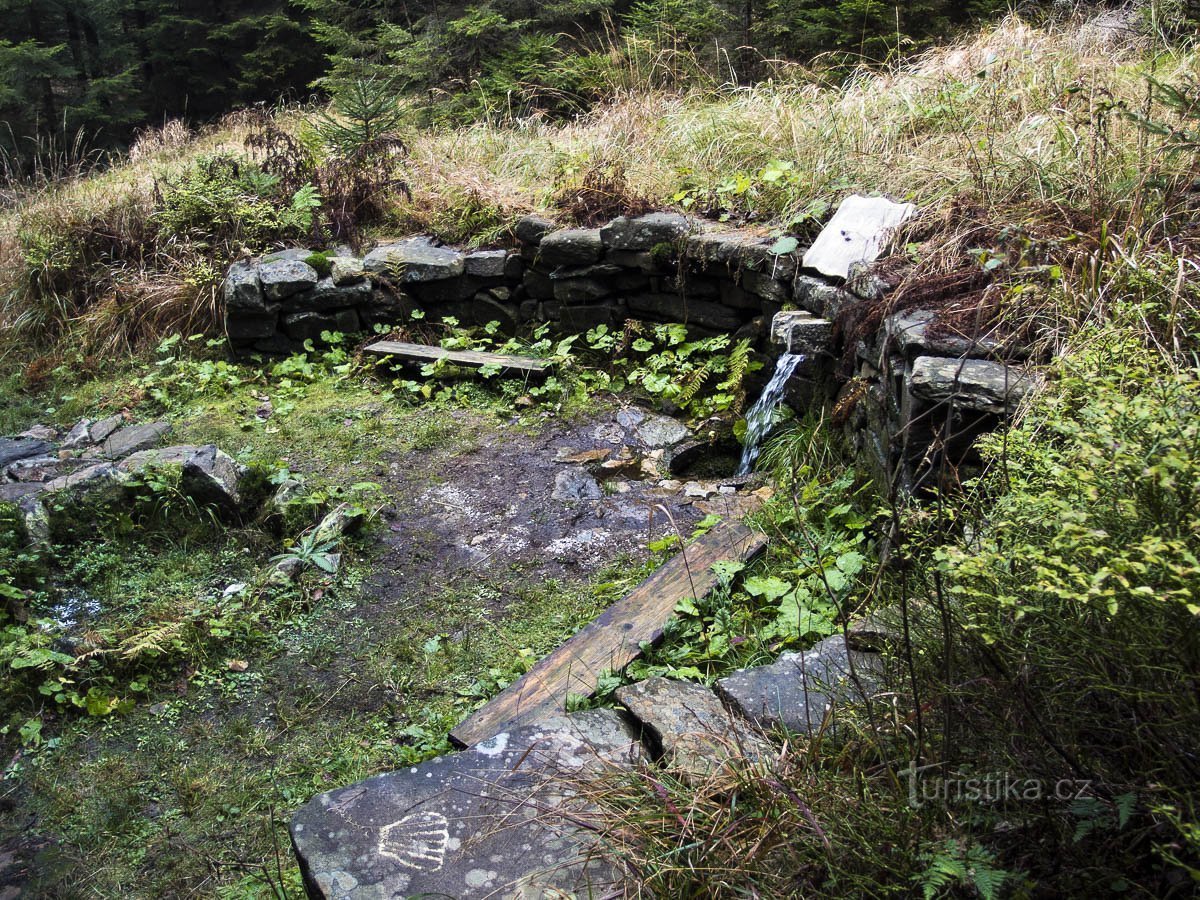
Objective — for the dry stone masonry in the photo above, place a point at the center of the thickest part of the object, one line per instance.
(917, 397)
(660, 267)
(61, 480)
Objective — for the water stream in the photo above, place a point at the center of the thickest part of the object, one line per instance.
(762, 414)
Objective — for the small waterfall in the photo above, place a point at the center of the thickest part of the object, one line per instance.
(761, 415)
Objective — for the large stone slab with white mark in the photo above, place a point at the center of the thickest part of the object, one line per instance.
(503, 819)
(857, 233)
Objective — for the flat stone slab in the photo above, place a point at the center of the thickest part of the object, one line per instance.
(415, 260)
(973, 384)
(99, 431)
(799, 331)
(910, 332)
(571, 247)
(498, 820)
(133, 438)
(486, 263)
(661, 431)
(17, 448)
(857, 233)
(697, 733)
(645, 232)
(798, 690)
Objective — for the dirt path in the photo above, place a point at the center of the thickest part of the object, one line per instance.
(485, 504)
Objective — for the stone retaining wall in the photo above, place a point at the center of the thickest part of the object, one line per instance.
(914, 401)
(661, 267)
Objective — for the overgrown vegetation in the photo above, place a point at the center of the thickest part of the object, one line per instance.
(1042, 615)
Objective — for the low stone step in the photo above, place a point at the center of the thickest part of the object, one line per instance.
(697, 733)
(502, 819)
(798, 690)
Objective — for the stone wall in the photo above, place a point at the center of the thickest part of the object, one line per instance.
(914, 398)
(661, 267)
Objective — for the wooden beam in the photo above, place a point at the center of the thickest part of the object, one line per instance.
(475, 358)
(614, 639)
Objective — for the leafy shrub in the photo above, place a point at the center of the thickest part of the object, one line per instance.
(224, 199)
(1078, 596)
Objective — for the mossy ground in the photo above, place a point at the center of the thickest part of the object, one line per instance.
(314, 686)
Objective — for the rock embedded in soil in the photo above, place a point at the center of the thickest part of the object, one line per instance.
(208, 475)
(79, 436)
(18, 491)
(582, 457)
(133, 438)
(502, 819)
(101, 430)
(799, 690)
(40, 433)
(576, 484)
(697, 733)
(41, 468)
(658, 432)
(13, 449)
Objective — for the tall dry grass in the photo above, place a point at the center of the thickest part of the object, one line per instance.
(1016, 116)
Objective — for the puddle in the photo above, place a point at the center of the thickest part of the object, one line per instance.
(72, 611)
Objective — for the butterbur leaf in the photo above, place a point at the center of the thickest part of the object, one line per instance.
(727, 569)
(768, 587)
(784, 245)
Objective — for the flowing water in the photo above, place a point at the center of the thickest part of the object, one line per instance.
(762, 414)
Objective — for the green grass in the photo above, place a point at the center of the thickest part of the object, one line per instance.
(257, 702)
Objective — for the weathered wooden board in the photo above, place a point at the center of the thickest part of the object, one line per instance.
(856, 233)
(425, 353)
(612, 640)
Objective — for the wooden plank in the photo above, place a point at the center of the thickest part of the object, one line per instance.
(612, 640)
(425, 353)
